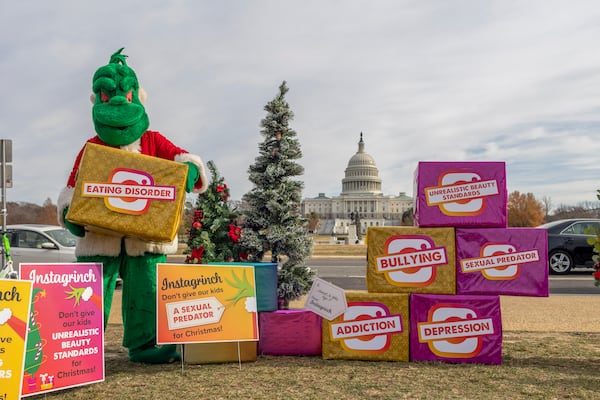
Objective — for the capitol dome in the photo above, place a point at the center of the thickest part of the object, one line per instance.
(361, 175)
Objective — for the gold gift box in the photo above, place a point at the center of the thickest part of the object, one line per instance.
(118, 192)
(374, 310)
(419, 260)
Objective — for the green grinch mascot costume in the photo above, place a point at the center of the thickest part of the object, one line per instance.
(120, 121)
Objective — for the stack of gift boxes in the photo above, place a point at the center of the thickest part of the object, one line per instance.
(433, 289)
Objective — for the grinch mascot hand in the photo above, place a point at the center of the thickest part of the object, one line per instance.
(120, 121)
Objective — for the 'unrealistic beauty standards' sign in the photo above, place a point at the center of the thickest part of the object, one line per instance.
(14, 311)
(65, 343)
(206, 303)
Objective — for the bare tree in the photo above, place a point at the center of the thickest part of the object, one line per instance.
(314, 221)
(547, 203)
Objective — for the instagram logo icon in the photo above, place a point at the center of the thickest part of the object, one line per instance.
(366, 327)
(454, 331)
(128, 191)
(503, 272)
(129, 205)
(461, 193)
(499, 261)
(410, 260)
(468, 206)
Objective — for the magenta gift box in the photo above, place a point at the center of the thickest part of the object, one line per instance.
(455, 328)
(504, 261)
(460, 194)
(289, 333)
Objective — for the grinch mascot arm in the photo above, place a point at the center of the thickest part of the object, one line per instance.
(120, 121)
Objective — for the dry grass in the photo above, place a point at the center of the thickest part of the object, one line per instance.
(339, 250)
(319, 249)
(551, 350)
(536, 366)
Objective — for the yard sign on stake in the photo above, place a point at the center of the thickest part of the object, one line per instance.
(15, 298)
(65, 343)
(206, 304)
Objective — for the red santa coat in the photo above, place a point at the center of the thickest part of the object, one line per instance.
(150, 143)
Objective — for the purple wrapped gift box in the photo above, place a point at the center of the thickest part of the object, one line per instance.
(289, 333)
(460, 194)
(504, 261)
(455, 328)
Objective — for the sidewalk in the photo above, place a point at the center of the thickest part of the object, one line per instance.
(557, 313)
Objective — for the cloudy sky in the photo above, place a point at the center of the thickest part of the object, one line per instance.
(513, 81)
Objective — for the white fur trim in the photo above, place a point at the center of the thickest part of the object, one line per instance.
(142, 95)
(99, 244)
(197, 161)
(136, 247)
(134, 147)
(64, 200)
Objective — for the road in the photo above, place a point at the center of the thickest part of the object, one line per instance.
(349, 273)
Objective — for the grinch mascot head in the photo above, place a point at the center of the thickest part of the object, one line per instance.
(118, 113)
(120, 121)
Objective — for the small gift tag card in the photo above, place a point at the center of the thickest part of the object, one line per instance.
(326, 299)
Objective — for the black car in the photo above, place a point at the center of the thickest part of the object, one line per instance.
(567, 244)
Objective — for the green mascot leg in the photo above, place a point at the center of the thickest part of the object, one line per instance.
(139, 310)
(110, 272)
(138, 304)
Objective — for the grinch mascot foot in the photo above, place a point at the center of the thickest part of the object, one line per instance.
(153, 354)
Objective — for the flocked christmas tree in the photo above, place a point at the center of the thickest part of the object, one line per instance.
(214, 235)
(272, 220)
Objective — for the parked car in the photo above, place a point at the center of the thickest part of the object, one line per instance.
(567, 244)
(35, 243)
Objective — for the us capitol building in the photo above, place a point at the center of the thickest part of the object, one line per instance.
(361, 193)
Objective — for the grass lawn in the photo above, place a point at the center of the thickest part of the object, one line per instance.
(551, 350)
(536, 365)
(543, 358)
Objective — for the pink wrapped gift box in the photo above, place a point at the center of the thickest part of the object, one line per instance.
(460, 194)
(505, 261)
(289, 333)
(455, 328)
